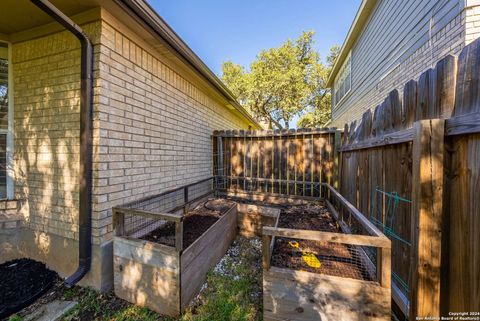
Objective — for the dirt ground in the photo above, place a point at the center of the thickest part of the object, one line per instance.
(335, 259)
(21, 280)
(196, 222)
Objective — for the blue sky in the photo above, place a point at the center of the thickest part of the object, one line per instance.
(237, 30)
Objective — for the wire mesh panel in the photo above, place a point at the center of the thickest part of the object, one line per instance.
(322, 257)
(138, 219)
(286, 162)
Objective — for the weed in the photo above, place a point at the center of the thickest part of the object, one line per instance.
(15, 317)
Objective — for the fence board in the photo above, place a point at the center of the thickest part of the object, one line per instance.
(379, 150)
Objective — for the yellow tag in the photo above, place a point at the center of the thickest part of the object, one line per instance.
(311, 260)
(294, 244)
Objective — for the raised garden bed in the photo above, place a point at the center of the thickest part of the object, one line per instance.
(161, 259)
(252, 217)
(350, 279)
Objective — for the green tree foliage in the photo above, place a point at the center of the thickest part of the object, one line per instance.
(318, 113)
(283, 82)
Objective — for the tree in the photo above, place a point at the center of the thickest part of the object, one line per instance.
(281, 83)
(319, 111)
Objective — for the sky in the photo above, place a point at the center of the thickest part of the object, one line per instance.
(236, 30)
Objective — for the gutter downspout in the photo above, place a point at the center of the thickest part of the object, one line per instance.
(86, 112)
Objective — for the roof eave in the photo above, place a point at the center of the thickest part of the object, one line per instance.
(145, 12)
(361, 18)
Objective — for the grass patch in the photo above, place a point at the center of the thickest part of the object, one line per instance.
(233, 288)
(232, 292)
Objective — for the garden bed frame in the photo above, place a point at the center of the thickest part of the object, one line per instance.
(298, 295)
(251, 218)
(166, 278)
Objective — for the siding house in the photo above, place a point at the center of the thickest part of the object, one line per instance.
(391, 42)
(154, 108)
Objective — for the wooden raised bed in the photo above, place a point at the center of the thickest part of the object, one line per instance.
(290, 294)
(166, 278)
(252, 217)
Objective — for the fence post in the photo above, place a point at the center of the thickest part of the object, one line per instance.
(219, 172)
(427, 211)
(337, 159)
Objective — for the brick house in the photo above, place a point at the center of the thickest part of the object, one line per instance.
(155, 106)
(392, 42)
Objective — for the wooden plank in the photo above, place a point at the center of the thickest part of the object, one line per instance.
(467, 96)
(174, 217)
(201, 256)
(427, 211)
(305, 296)
(201, 243)
(409, 103)
(362, 240)
(463, 234)
(266, 254)
(445, 82)
(118, 222)
(251, 218)
(398, 137)
(269, 198)
(147, 274)
(179, 236)
(369, 227)
(146, 252)
(146, 285)
(463, 271)
(463, 124)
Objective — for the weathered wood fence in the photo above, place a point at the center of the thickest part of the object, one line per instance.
(286, 162)
(413, 166)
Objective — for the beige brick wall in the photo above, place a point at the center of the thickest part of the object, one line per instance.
(46, 74)
(448, 40)
(472, 25)
(154, 129)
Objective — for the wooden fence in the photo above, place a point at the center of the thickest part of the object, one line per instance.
(285, 162)
(413, 167)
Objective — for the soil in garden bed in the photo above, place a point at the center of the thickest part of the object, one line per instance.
(335, 259)
(21, 282)
(196, 222)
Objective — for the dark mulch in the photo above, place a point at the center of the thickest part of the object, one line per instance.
(196, 222)
(335, 259)
(22, 281)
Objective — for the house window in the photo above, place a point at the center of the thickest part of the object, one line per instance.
(6, 189)
(343, 81)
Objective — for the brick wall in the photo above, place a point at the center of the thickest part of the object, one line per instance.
(46, 130)
(472, 21)
(448, 40)
(154, 127)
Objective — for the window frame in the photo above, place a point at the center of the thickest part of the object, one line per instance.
(342, 70)
(9, 131)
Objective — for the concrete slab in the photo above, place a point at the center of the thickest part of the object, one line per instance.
(51, 311)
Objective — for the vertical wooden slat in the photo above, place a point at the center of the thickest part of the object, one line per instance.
(427, 210)
(179, 236)
(266, 251)
(446, 77)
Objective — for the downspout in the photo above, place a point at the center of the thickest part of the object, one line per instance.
(86, 111)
